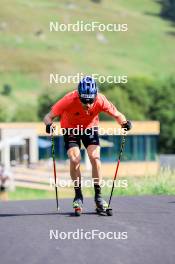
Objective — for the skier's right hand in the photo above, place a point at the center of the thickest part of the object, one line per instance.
(48, 128)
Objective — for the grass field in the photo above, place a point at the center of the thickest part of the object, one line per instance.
(27, 57)
(162, 184)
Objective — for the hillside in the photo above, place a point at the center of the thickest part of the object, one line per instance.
(29, 52)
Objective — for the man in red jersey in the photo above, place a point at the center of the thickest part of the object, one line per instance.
(80, 109)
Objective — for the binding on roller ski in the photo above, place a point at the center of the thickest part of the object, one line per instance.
(80, 109)
(78, 206)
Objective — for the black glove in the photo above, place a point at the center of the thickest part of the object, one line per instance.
(127, 125)
(48, 128)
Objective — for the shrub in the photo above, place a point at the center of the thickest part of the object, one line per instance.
(6, 89)
(25, 113)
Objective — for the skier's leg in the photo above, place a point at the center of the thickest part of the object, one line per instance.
(94, 156)
(75, 158)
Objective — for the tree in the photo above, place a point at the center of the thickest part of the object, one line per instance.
(45, 101)
(162, 109)
(6, 89)
(25, 113)
(168, 9)
(147, 99)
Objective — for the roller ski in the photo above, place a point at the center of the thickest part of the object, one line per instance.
(78, 206)
(102, 207)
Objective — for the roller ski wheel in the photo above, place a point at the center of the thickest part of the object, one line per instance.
(109, 211)
(78, 207)
(102, 207)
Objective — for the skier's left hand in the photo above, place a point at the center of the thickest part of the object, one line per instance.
(127, 125)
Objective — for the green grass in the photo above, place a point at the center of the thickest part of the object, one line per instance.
(145, 49)
(27, 60)
(162, 184)
(30, 194)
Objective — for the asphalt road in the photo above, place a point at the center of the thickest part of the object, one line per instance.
(142, 231)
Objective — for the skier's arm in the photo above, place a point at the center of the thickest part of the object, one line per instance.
(57, 110)
(110, 109)
(48, 118)
(121, 119)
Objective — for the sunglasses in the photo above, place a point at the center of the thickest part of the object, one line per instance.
(85, 102)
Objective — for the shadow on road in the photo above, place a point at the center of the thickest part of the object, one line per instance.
(69, 214)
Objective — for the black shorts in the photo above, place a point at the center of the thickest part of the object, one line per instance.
(74, 139)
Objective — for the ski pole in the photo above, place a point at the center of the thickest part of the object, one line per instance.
(109, 210)
(54, 169)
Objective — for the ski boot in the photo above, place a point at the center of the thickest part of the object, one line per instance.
(101, 205)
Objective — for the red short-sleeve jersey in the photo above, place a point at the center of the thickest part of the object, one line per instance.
(71, 111)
